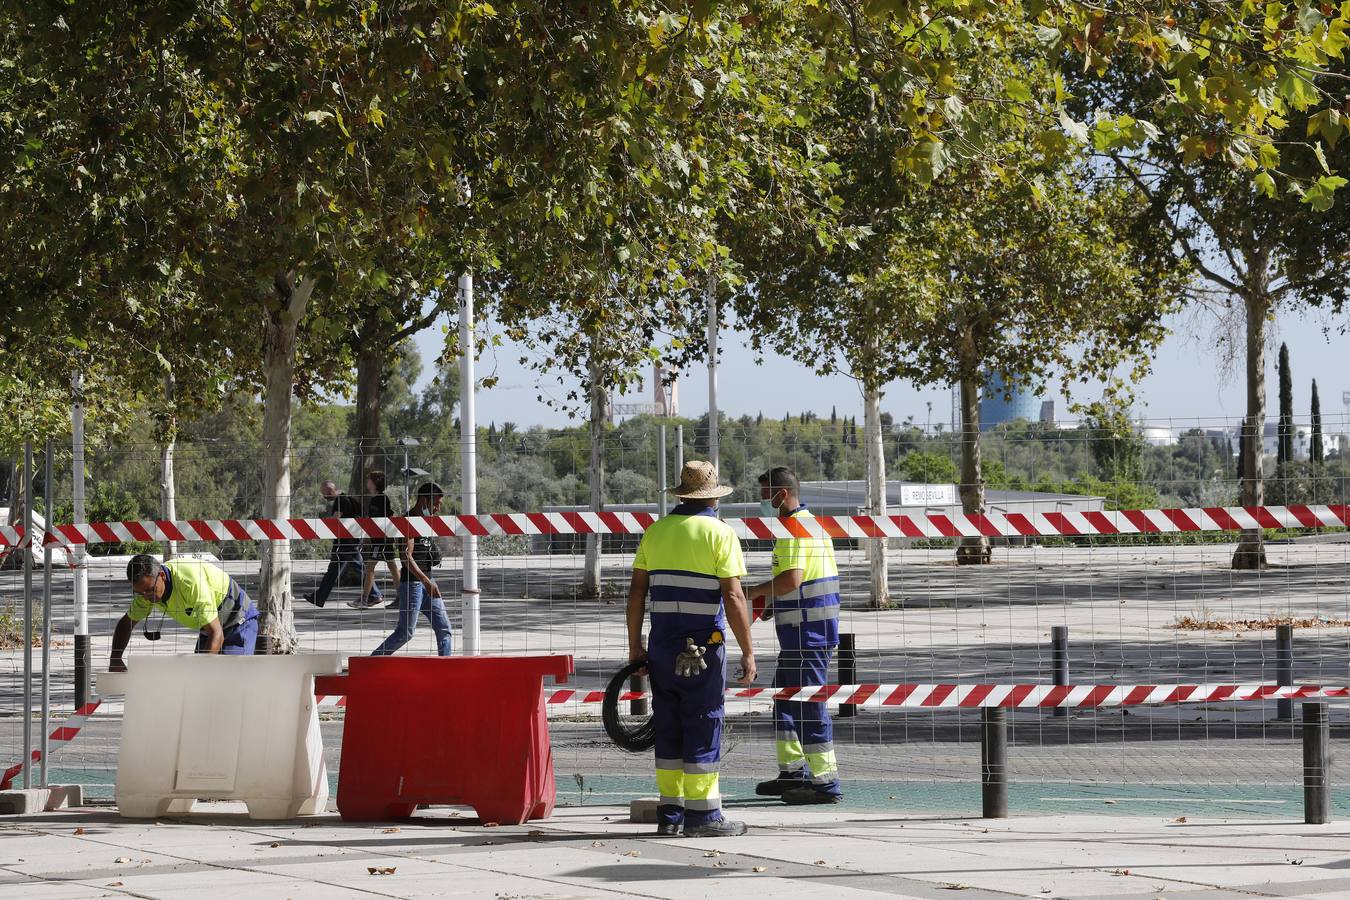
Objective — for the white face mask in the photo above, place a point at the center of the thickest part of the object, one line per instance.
(767, 508)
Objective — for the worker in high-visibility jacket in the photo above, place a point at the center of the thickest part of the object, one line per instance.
(802, 599)
(197, 595)
(691, 563)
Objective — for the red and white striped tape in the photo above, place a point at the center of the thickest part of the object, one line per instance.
(58, 738)
(994, 524)
(974, 696)
(887, 696)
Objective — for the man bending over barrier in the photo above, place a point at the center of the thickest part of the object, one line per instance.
(195, 594)
(691, 563)
(803, 600)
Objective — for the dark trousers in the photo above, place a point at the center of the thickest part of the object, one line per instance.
(338, 561)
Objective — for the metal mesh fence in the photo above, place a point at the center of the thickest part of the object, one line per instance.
(1139, 609)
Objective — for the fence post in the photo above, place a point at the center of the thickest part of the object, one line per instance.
(638, 706)
(1059, 657)
(45, 720)
(1284, 669)
(994, 761)
(26, 548)
(1316, 761)
(848, 671)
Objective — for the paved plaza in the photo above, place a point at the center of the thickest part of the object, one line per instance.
(594, 852)
(1146, 802)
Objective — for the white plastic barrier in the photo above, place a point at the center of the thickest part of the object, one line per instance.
(205, 727)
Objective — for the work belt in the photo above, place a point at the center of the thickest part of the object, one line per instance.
(229, 612)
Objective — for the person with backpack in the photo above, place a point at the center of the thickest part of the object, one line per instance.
(418, 594)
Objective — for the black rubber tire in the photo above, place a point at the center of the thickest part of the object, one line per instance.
(627, 732)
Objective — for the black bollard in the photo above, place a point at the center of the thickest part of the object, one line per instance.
(994, 761)
(848, 671)
(1284, 669)
(1316, 762)
(638, 706)
(83, 667)
(1059, 657)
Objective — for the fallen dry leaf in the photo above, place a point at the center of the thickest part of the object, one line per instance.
(711, 853)
(122, 860)
(275, 845)
(115, 884)
(1120, 871)
(633, 853)
(820, 862)
(757, 869)
(1110, 802)
(719, 865)
(1180, 820)
(597, 843)
(392, 830)
(492, 824)
(956, 886)
(535, 832)
(79, 831)
(382, 870)
(1190, 623)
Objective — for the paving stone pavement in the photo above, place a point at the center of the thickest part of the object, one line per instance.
(594, 852)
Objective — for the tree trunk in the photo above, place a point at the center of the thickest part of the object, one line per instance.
(971, 550)
(369, 375)
(877, 549)
(1251, 551)
(590, 581)
(276, 627)
(168, 507)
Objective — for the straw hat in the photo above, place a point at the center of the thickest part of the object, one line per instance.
(698, 481)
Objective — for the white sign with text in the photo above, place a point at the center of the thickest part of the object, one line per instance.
(927, 494)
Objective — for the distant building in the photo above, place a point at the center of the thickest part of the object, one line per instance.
(1270, 439)
(1157, 435)
(1001, 405)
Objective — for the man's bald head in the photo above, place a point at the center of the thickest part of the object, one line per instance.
(329, 489)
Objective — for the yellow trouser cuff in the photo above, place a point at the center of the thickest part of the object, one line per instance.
(701, 787)
(670, 782)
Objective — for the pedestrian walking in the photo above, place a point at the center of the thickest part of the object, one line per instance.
(691, 564)
(377, 506)
(418, 594)
(345, 554)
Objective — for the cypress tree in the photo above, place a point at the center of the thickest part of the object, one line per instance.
(834, 415)
(1316, 450)
(1285, 449)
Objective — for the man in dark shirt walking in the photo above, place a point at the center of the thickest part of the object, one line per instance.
(346, 551)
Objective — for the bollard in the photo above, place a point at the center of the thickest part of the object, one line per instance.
(848, 671)
(1316, 761)
(994, 761)
(1284, 669)
(638, 706)
(1059, 657)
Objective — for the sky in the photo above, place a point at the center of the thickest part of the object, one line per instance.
(1190, 384)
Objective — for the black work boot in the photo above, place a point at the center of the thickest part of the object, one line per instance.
(715, 828)
(776, 787)
(802, 796)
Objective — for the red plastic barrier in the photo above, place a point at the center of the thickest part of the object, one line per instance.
(466, 730)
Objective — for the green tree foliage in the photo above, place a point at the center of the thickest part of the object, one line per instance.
(1285, 444)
